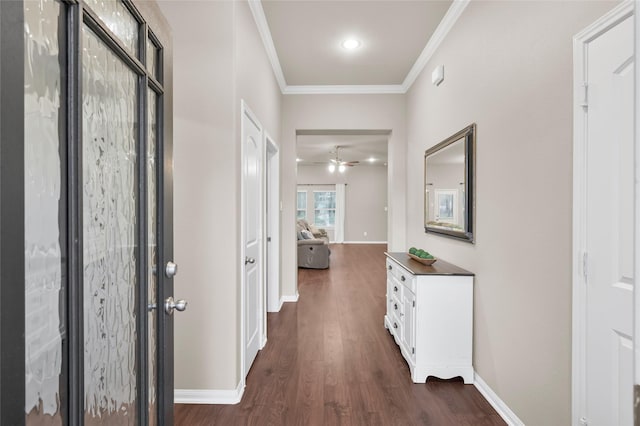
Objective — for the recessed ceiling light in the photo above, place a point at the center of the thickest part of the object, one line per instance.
(351, 43)
(372, 160)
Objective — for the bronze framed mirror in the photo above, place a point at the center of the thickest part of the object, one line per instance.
(449, 186)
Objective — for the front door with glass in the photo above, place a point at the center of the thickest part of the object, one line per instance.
(98, 218)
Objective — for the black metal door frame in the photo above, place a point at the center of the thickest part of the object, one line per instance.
(12, 289)
(12, 213)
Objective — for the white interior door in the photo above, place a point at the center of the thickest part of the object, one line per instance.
(609, 225)
(252, 214)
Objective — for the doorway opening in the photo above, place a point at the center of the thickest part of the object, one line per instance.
(342, 183)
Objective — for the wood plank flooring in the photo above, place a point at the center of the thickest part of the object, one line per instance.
(330, 361)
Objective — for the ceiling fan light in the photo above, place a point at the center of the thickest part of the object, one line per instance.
(342, 168)
(332, 168)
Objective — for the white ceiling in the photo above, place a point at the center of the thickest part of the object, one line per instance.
(303, 37)
(307, 35)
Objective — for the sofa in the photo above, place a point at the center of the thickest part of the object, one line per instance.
(313, 246)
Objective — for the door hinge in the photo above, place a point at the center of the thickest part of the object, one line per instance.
(585, 96)
(585, 266)
(413, 303)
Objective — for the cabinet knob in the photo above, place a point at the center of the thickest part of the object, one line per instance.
(389, 267)
(395, 325)
(402, 278)
(395, 306)
(395, 288)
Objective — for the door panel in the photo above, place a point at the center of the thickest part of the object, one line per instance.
(253, 217)
(45, 231)
(610, 198)
(97, 213)
(110, 228)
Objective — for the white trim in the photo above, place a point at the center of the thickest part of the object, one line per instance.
(498, 404)
(272, 168)
(449, 19)
(637, 207)
(209, 396)
(288, 298)
(345, 90)
(265, 34)
(365, 242)
(579, 298)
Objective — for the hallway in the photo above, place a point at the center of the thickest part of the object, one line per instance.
(330, 361)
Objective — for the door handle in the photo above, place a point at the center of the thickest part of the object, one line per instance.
(170, 305)
(249, 260)
(171, 269)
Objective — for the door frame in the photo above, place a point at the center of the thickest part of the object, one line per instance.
(579, 253)
(272, 228)
(247, 114)
(12, 275)
(636, 399)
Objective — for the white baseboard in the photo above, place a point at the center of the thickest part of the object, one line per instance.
(208, 396)
(277, 309)
(365, 242)
(285, 299)
(498, 404)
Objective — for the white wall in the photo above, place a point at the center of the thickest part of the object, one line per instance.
(341, 112)
(365, 198)
(508, 68)
(215, 46)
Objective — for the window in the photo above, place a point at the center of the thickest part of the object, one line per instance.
(324, 208)
(302, 205)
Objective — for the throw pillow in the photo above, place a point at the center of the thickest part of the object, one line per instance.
(307, 234)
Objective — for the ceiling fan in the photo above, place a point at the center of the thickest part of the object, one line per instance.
(338, 163)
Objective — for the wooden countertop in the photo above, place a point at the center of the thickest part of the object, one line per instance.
(439, 267)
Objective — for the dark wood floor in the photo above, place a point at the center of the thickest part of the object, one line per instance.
(330, 361)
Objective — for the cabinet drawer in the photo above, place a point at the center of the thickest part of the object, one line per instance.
(395, 288)
(408, 280)
(396, 329)
(403, 276)
(396, 307)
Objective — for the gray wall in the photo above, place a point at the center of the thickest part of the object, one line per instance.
(508, 68)
(365, 198)
(218, 60)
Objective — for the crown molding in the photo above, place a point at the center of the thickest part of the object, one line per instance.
(344, 90)
(449, 19)
(265, 34)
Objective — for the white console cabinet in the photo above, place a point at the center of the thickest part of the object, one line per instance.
(430, 315)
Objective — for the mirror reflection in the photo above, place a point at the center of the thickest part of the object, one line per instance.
(449, 186)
